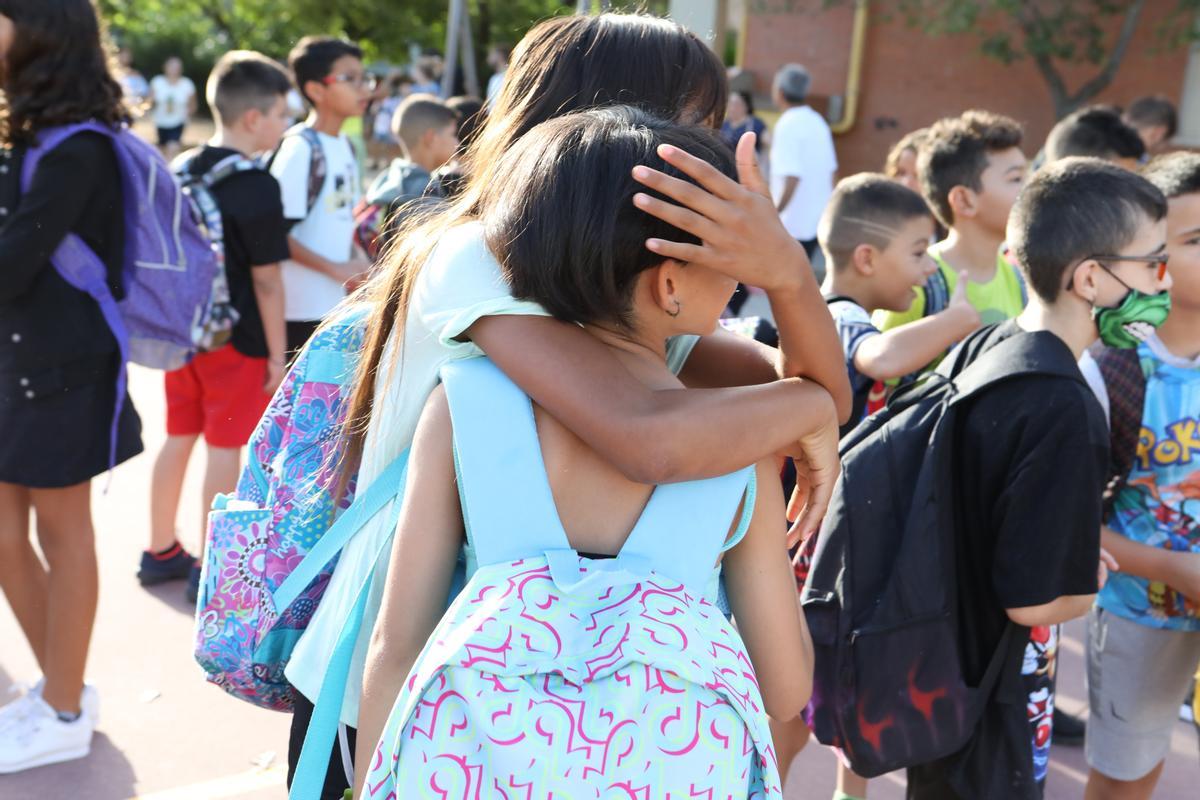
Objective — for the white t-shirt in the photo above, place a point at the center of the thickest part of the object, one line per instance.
(328, 231)
(460, 284)
(171, 101)
(495, 84)
(802, 147)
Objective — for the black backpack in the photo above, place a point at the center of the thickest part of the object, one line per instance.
(881, 599)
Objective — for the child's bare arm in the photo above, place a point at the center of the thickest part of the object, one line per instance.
(904, 350)
(428, 538)
(762, 594)
(652, 436)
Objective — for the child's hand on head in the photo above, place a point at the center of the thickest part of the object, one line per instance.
(740, 233)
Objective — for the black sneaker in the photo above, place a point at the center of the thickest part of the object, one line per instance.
(156, 569)
(192, 590)
(1068, 730)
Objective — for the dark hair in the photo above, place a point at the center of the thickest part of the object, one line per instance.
(503, 48)
(866, 209)
(58, 70)
(471, 116)
(1073, 209)
(313, 57)
(955, 153)
(913, 141)
(563, 64)
(748, 99)
(242, 80)
(1156, 110)
(1174, 174)
(416, 115)
(560, 215)
(1096, 131)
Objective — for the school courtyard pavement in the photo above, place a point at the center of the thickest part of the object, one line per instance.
(166, 735)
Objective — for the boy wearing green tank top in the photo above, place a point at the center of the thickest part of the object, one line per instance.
(971, 169)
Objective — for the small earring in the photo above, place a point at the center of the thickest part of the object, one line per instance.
(678, 308)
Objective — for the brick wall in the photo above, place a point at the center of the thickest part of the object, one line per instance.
(910, 79)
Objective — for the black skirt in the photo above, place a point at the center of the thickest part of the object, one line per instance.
(55, 424)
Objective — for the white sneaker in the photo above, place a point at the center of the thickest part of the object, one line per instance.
(89, 702)
(40, 738)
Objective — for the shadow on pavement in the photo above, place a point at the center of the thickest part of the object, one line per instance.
(170, 594)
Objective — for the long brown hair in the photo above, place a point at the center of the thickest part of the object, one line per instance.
(562, 65)
(58, 70)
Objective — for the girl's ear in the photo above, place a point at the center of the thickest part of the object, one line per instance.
(863, 258)
(666, 285)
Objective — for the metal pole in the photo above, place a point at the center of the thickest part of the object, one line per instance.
(453, 37)
(470, 74)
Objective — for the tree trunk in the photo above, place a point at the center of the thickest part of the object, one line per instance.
(1066, 101)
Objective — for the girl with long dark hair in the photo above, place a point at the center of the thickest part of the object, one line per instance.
(58, 362)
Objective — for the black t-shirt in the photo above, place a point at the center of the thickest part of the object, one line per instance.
(1030, 466)
(45, 323)
(255, 236)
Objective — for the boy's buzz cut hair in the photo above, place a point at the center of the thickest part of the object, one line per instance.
(1072, 210)
(955, 153)
(1175, 174)
(1096, 131)
(313, 57)
(1156, 110)
(867, 208)
(243, 80)
(416, 115)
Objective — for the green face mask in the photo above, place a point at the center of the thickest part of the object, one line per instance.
(1134, 321)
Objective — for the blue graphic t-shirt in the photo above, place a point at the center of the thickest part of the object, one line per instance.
(1160, 505)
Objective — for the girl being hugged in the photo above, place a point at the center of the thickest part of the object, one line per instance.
(58, 361)
(586, 642)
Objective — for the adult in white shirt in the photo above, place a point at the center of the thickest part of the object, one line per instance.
(497, 59)
(803, 161)
(174, 101)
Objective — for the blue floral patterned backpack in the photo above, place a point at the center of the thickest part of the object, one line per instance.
(272, 545)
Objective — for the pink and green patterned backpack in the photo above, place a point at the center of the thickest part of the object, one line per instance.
(272, 545)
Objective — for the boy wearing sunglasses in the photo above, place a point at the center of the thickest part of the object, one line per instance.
(1031, 456)
(1144, 632)
(320, 184)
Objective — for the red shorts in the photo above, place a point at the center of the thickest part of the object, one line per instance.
(219, 394)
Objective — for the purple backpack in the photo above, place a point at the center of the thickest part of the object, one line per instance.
(169, 264)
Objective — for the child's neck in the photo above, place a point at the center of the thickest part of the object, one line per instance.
(326, 122)
(423, 160)
(641, 345)
(233, 139)
(973, 250)
(1069, 321)
(844, 283)
(1180, 334)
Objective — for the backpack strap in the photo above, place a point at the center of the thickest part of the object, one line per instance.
(1126, 383)
(90, 274)
(937, 290)
(703, 511)
(317, 167)
(1017, 356)
(507, 503)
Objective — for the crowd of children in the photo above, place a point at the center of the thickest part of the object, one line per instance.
(588, 558)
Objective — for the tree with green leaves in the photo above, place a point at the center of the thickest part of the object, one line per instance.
(1052, 33)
